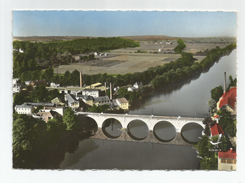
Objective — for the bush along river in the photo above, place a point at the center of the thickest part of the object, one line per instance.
(186, 99)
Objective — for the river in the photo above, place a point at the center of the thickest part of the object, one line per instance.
(187, 99)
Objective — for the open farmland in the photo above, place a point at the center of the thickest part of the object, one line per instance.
(126, 60)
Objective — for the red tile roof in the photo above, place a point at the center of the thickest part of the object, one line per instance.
(229, 98)
(216, 129)
(228, 154)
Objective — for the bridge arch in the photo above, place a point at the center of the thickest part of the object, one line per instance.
(164, 131)
(137, 129)
(89, 123)
(191, 132)
(111, 128)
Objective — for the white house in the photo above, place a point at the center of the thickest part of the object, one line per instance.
(138, 85)
(24, 109)
(91, 92)
(54, 85)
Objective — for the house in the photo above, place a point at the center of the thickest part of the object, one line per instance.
(227, 160)
(47, 115)
(102, 100)
(15, 80)
(59, 110)
(88, 100)
(72, 102)
(122, 103)
(54, 85)
(216, 129)
(28, 107)
(131, 88)
(57, 101)
(138, 85)
(91, 92)
(24, 109)
(228, 101)
(17, 85)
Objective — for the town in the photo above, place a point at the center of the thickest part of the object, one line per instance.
(112, 92)
(46, 100)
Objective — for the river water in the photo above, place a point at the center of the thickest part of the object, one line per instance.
(188, 99)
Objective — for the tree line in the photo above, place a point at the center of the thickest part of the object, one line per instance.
(159, 76)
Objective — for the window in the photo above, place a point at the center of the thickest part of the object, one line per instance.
(223, 160)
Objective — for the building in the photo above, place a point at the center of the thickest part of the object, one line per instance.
(54, 85)
(72, 102)
(96, 86)
(216, 129)
(228, 101)
(136, 86)
(102, 100)
(57, 101)
(88, 100)
(24, 109)
(227, 160)
(91, 92)
(17, 85)
(59, 110)
(46, 115)
(44, 104)
(122, 103)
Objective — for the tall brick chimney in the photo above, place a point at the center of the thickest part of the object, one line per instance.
(110, 91)
(81, 79)
(225, 82)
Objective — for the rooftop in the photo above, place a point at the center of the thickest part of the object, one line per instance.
(228, 154)
(90, 89)
(216, 129)
(122, 100)
(101, 99)
(229, 98)
(70, 98)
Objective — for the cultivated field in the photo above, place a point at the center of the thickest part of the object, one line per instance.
(123, 61)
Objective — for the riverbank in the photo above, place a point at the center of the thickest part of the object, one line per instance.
(148, 90)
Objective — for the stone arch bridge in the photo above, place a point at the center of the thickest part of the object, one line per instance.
(150, 121)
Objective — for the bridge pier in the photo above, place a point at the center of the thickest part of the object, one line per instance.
(178, 140)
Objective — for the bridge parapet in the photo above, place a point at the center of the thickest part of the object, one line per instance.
(150, 121)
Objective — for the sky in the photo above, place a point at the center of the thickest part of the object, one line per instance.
(123, 23)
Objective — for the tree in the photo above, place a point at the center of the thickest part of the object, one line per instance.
(69, 119)
(227, 121)
(100, 108)
(212, 105)
(180, 47)
(202, 146)
(216, 93)
(39, 94)
(49, 73)
(232, 82)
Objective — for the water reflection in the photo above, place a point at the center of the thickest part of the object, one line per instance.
(137, 129)
(191, 131)
(164, 131)
(111, 128)
(189, 97)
